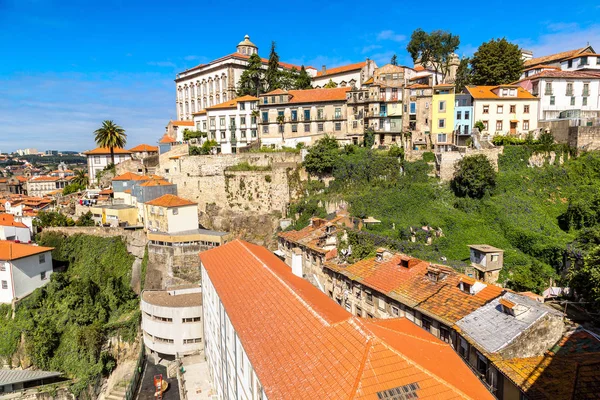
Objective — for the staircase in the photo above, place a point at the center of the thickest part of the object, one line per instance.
(118, 392)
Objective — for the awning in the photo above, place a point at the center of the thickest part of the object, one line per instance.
(514, 120)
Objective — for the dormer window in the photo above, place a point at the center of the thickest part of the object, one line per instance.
(466, 283)
(508, 307)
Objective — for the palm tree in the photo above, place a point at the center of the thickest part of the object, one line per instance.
(110, 135)
(80, 178)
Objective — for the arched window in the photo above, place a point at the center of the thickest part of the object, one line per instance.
(197, 88)
(187, 108)
(210, 86)
(224, 96)
(210, 102)
(179, 92)
(204, 88)
(180, 110)
(187, 91)
(193, 106)
(243, 50)
(217, 99)
(217, 85)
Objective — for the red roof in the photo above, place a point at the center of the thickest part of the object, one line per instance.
(128, 176)
(9, 220)
(14, 251)
(302, 345)
(182, 123)
(167, 139)
(312, 95)
(170, 200)
(144, 147)
(343, 68)
(106, 150)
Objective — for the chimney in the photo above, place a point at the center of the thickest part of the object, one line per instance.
(379, 254)
(526, 54)
(297, 262)
(323, 70)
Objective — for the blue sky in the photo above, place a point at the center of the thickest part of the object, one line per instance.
(67, 65)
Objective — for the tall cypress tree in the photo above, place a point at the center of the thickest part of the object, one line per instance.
(303, 81)
(252, 80)
(273, 75)
(394, 60)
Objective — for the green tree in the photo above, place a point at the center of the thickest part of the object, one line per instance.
(322, 156)
(303, 81)
(394, 60)
(474, 176)
(252, 81)
(368, 138)
(85, 220)
(496, 62)
(273, 74)
(463, 75)
(289, 79)
(585, 278)
(433, 49)
(480, 125)
(330, 85)
(72, 188)
(81, 178)
(112, 136)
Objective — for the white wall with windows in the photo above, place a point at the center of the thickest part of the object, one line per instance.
(20, 277)
(505, 116)
(558, 95)
(97, 162)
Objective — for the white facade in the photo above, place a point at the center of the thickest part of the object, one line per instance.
(231, 373)
(575, 96)
(19, 277)
(172, 321)
(170, 219)
(96, 162)
(231, 125)
(11, 232)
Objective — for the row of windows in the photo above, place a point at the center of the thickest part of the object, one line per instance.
(500, 109)
(223, 135)
(584, 101)
(201, 104)
(223, 124)
(167, 319)
(192, 90)
(500, 125)
(306, 127)
(159, 339)
(569, 90)
(305, 113)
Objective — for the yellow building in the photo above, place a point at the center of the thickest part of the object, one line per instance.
(442, 116)
(115, 215)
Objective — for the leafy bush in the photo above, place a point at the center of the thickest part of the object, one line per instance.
(245, 166)
(203, 150)
(428, 156)
(73, 188)
(322, 156)
(474, 177)
(188, 134)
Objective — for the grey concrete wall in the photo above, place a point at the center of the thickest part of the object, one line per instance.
(542, 335)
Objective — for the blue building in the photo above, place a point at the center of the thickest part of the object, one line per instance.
(463, 118)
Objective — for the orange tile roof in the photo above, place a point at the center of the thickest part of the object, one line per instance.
(144, 147)
(418, 86)
(274, 92)
(542, 67)
(128, 191)
(315, 95)
(442, 299)
(232, 103)
(312, 236)
(201, 112)
(343, 68)
(106, 191)
(9, 220)
(585, 54)
(106, 151)
(167, 139)
(13, 251)
(564, 74)
(170, 200)
(419, 68)
(486, 92)
(182, 123)
(127, 176)
(570, 370)
(554, 57)
(44, 179)
(302, 345)
(156, 182)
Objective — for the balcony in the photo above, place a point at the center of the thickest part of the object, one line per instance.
(569, 93)
(548, 92)
(338, 117)
(232, 127)
(356, 98)
(321, 117)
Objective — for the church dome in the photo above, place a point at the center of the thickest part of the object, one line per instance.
(247, 42)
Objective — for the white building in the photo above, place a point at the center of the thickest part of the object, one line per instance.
(232, 124)
(99, 158)
(346, 75)
(13, 230)
(216, 82)
(23, 268)
(269, 334)
(172, 320)
(170, 214)
(504, 109)
(565, 94)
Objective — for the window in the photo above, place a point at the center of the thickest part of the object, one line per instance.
(413, 108)
(442, 107)
(3, 266)
(441, 138)
(486, 109)
(444, 334)
(42, 258)
(294, 128)
(191, 319)
(570, 64)
(499, 109)
(294, 115)
(222, 121)
(163, 340)
(4, 285)
(265, 100)
(43, 275)
(513, 109)
(441, 123)
(381, 303)
(369, 297)
(319, 113)
(338, 126)
(526, 125)
(548, 88)
(369, 315)
(265, 129)
(242, 106)
(253, 133)
(526, 109)
(552, 100)
(265, 116)
(244, 134)
(243, 121)
(586, 89)
(280, 128)
(573, 100)
(358, 309)
(175, 211)
(569, 88)
(338, 113)
(584, 101)
(426, 324)
(395, 311)
(320, 127)
(280, 113)
(190, 341)
(463, 349)
(459, 115)
(467, 114)
(504, 92)
(583, 61)
(499, 126)
(307, 115)
(96, 159)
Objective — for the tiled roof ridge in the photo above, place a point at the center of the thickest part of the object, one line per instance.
(419, 366)
(363, 362)
(434, 342)
(306, 304)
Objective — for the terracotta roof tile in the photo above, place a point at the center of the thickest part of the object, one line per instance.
(343, 68)
(106, 151)
(554, 57)
(9, 220)
(170, 200)
(167, 139)
(327, 352)
(182, 123)
(127, 176)
(13, 251)
(315, 95)
(486, 92)
(156, 182)
(232, 103)
(144, 147)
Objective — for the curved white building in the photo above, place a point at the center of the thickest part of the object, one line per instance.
(172, 320)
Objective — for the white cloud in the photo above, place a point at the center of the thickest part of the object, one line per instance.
(561, 38)
(370, 48)
(162, 64)
(390, 35)
(191, 58)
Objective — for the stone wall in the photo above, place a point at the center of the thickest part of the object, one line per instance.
(445, 161)
(584, 138)
(542, 335)
(559, 129)
(172, 265)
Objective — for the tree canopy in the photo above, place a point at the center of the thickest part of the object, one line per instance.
(303, 80)
(433, 49)
(112, 136)
(394, 60)
(474, 177)
(496, 62)
(252, 81)
(322, 156)
(273, 75)
(330, 85)
(463, 75)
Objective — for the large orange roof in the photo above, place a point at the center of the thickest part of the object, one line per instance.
(486, 93)
(167, 139)
(144, 147)
(182, 123)
(442, 299)
(14, 251)
(555, 57)
(232, 103)
(9, 220)
(44, 179)
(314, 95)
(302, 345)
(343, 68)
(170, 200)
(127, 176)
(106, 150)
(157, 182)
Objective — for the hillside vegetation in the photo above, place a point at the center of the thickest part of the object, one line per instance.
(64, 325)
(535, 214)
